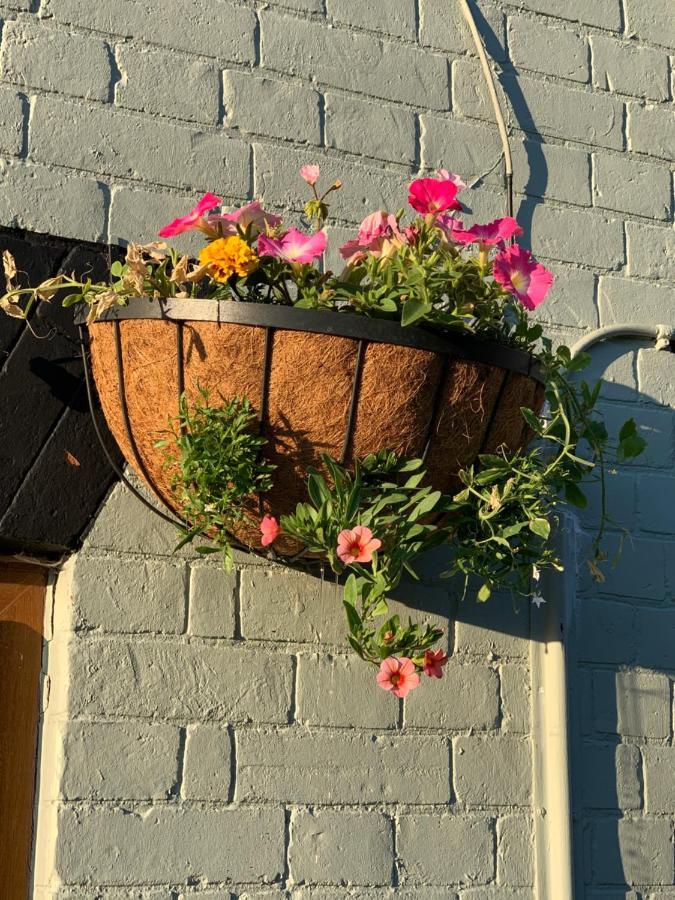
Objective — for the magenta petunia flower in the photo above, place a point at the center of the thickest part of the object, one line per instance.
(429, 196)
(269, 528)
(310, 174)
(434, 660)
(519, 273)
(493, 233)
(252, 215)
(357, 545)
(398, 675)
(194, 219)
(293, 246)
(376, 229)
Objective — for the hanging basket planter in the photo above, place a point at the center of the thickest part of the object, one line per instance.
(320, 382)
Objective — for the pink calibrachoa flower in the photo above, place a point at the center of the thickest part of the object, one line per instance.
(357, 545)
(376, 233)
(430, 196)
(293, 246)
(194, 219)
(310, 174)
(269, 528)
(398, 675)
(493, 233)
(252, 215)
(519, 273)
(434, 660)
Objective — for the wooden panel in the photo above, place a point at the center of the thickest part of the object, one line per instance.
(22, 592)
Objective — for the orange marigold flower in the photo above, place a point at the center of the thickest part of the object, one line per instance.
(227, 257)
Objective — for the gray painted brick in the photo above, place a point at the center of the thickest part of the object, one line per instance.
(442, 25)
(655, 425)
(549, 49)
(651, 251)
(446, 849)
(341, 847)
(628, 68)
(542, 107)
(656, 502)
(656, 377)
(624, 300)
(637, 850)
(655, 635)
(472, 149)
(129, 595)
(494, 771)
(270, 107)
(497, 893)
(467, 697)
(194, 95)
(221, 29)
(632, 185)
(514, 851)
(51, 201)
(571, 301)
(394, 17)
(516, 699)
(92, 756)
(603, 13)
(136, 216)
(620, 499)
(364, 188)
(328, 686)
(659, 779)
(639, 572)
(207, 771)
(312, 6)
(651, 130)
(606, 632)
(174, 680)
(212, 602)
(610, 776)
(556, 235)
(632, 704)
(494, 628)
(113, 142)
(13, 108)
(165, 843)
(35, 55)
(652, 21)
(370, 129)
(388, 70)
(341, 767)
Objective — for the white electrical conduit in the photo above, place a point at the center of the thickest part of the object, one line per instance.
(554, 868)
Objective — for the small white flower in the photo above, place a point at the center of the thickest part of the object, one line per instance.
(536, 574)
(537, 600)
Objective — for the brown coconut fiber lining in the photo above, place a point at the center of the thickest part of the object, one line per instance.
(310, 386)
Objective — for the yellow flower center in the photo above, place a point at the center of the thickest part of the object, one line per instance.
(227, 257)
(520, 281)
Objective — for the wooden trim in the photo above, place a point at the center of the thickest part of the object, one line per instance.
(22, 600)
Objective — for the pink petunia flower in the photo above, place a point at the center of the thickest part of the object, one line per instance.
(444, 175)
(430, 196)
(310, 174)
(434, 660)
(398, 675)
(194, 219)
(252, 215)
(378, 233)
(293, 246)
(519, 273)
(493, 233)
(357, 545)
(269, 528)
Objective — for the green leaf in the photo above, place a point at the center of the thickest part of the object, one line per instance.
(484, 592)
(532, 420)
(381, 608)
(413, 310)
(575, 496)
(540, 527)
(353, 618)
(351, 592)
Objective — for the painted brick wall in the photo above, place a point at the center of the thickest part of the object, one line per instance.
(247, 759)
